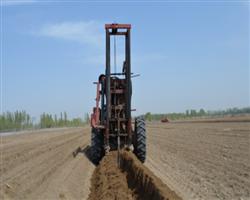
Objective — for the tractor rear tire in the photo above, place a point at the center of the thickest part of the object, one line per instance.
(140, 139)
(96, 146)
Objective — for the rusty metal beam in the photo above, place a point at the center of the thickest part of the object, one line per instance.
(117, 26)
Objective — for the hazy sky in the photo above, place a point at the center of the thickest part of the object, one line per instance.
(190, 55)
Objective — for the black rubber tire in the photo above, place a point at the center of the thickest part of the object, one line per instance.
(96, 146)
(140, 139)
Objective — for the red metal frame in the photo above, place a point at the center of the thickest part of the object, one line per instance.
(114, 116)
(117, 26)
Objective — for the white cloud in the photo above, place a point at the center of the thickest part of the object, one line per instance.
(92, 33)
(85, 32)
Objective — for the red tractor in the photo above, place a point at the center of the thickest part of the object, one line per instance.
(112, 122)
(164, 120)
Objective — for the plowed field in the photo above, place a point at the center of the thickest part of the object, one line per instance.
(196, 160)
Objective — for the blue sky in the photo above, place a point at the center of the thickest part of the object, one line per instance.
(190, 55)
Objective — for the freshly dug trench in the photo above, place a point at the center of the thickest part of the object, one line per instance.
(108, 182)
(132, 181)
(142, 181)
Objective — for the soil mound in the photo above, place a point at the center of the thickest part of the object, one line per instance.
(108, 182)
(131, 181)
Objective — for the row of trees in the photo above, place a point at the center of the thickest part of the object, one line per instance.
(197, 113)
(20, 120)
(48, 121)
(15, 121)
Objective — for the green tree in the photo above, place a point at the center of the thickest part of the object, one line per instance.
(55, 121)
(193, 113)
(86, 118)
(148, 116)
(202, 112)
(65, 118)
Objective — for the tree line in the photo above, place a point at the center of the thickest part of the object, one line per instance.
(197, 113)
(15, 120)
(20, 120)
(49, 121)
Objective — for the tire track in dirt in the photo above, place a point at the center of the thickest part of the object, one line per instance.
(32, 152)
(202, 160)
(45, 167)
(25, 149)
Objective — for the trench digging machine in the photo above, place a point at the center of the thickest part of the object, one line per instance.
(112, 127)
